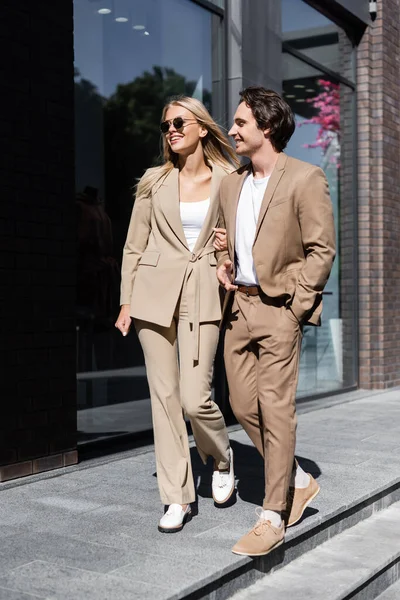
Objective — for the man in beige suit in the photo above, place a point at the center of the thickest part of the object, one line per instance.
(281, 246)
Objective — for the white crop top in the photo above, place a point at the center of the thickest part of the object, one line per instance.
(193, 215)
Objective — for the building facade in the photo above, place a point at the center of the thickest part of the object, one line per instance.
(83, 94)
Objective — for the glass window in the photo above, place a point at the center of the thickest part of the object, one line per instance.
(128, 62)
(306, 30)
(324, 111)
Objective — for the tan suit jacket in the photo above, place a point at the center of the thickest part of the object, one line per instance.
(157, 260)
(294, 245)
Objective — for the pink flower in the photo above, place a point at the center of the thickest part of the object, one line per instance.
(327, 105)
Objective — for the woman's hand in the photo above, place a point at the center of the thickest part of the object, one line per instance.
(124, 320)
(220, 243)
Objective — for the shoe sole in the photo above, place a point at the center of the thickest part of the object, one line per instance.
(260, 553)
(305, 506)
(186, 518)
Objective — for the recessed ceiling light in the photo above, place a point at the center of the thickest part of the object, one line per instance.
(290, 96)
(104, 11)
(310, 90)
(146, 33)
(299, 100)
(121, 19)
(299, 86)
(139, 27)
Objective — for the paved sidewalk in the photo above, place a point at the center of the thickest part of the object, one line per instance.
(90, 532)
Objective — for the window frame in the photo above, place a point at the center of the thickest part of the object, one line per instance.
(338, 78)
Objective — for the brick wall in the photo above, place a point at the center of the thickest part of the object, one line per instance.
(37, 237)
(378, 199)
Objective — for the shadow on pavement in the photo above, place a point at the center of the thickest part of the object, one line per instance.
(249, 472)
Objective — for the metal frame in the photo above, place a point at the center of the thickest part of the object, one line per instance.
(220, 117)
(210, 6)
(356, 308)
(328, 394)
(226, 57)
(221, 13)
(344, 18)
(286, 47)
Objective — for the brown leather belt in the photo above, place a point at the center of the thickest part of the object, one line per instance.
(250, 290)
(255, 290)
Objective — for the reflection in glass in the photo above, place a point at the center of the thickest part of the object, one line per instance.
(306, 30)
(323, 136)
(130, 57)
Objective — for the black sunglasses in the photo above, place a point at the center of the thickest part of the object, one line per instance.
(178, 123)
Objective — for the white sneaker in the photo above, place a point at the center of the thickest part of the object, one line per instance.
(223, 483)
(174, 519)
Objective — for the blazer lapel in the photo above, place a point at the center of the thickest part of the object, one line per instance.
(168, 194)
(211, 219)
(271, 187)
(232, 208)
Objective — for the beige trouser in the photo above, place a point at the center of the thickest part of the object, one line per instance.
(262, 349)
(182, 384)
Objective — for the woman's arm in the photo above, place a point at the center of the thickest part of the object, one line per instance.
(136, 242)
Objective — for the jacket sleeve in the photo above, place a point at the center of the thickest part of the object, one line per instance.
(318, 238)
(136, 242)
(224, 255)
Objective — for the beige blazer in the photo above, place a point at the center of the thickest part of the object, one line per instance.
(294, 245)
(157, 260)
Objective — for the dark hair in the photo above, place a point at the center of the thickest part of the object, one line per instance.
(271, 112)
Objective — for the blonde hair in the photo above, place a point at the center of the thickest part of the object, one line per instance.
(216, 147)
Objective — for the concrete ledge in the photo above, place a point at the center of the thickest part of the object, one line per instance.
(380, 582)
(392, 592)
(247, 571)
(359, 564)
(38, 465)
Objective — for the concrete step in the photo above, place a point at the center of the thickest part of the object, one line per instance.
(392, 592)
(359, 564)
(300, 541)
(356, 482)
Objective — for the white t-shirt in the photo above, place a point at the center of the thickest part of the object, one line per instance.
(249, 206)
(193, 215)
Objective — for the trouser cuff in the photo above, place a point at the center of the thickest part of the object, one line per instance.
(183, 499)
(280, 507)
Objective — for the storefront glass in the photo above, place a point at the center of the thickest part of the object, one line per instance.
(323, 103)
(130, 57)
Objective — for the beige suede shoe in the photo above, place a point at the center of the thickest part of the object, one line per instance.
(299, 499)
(261, 540)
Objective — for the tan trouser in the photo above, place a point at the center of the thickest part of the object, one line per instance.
(262, 348)
(176, 385)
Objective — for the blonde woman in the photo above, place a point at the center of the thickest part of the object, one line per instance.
(169, 287)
